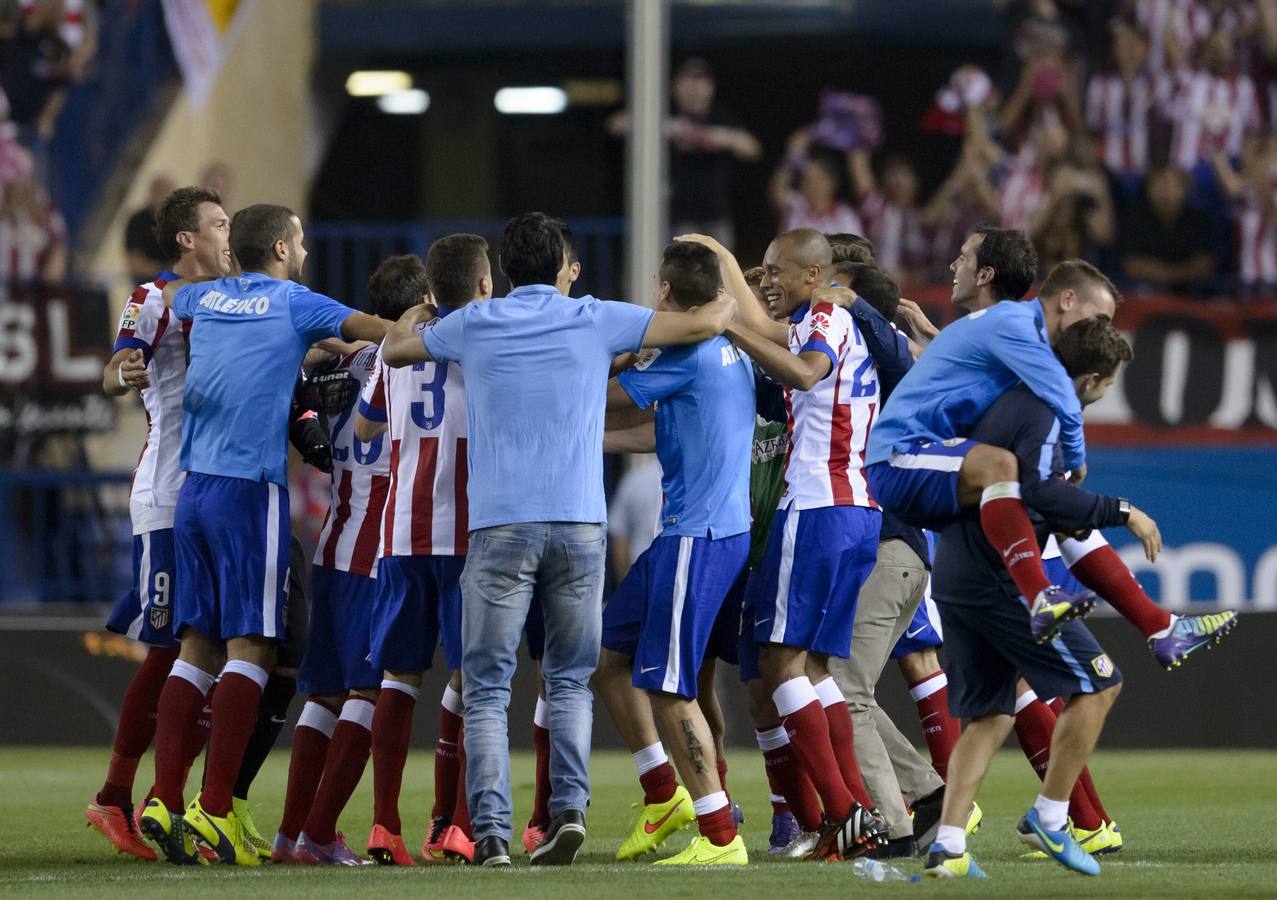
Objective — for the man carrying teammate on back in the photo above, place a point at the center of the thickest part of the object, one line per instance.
(150, 357)
(424, 542)
(657, 625)
(250, 334)
(986, 616)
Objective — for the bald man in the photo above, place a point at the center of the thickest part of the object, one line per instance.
(824, 538)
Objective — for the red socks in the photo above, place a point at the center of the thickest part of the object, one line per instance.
(1084, 780)
(714, 818)
(391, 731)
(842, 737)
(447, 753)
(804, 718)
(1103, 571)
(461, 809)
(940, 729)
(311, 738)
(541, 741)
(722, 777)
(347, 758)
(659, 783)
(180, 704)
(239, 691)
(136, 727)
(1007, 526)
(1034, 725)
(787, 779)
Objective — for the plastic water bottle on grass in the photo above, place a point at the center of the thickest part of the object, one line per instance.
(876, 870)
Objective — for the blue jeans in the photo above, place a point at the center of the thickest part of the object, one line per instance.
(564, 561)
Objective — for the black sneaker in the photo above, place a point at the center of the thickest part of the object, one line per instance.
(926, 817)
(851, 837)
(895, 848)
(491, 851)
(562, 840)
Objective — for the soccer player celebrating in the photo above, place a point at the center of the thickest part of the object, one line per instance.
(657, 625)
(920, 464)
(249, 335)
(330, 749)
(824, 538)
(985, 615)
(424, 536)
(150, 357)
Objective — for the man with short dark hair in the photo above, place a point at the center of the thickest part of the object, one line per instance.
(418, 600)
(150, 357)
(250, 333)
(536, 365)
(850, 248)
(657, 625)
(988, 642)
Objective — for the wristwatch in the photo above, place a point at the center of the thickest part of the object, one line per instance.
(1124, 509)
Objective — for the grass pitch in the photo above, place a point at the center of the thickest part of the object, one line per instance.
(1196, 824)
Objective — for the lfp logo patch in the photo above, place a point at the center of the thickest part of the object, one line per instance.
(1103, 666)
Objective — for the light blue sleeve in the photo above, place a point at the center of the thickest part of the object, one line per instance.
(315, 316)
(184, 299)
(444, 338)
(1018, 346)
(621, 325)
(657, 377)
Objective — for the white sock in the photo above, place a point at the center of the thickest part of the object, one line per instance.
(649, 758)
(772, 738)
(703, 806)
(358, 710)
(202, 680)
(249, 670)
(319, 717)
(391, 685)
(924, 689)
(541, 715)
(1002, 490)
(952, 838)
(828, 693)
(793, 695)
(1053, 814)
(452, 701)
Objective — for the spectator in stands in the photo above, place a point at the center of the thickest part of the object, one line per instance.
(38, 63)
(1253, 193)
(1165, 243)
(1213, 108)
(1047, 87)
(813, 202)
(1075, 216)
(141, 249)
(1127, 106)
(704, 140)
(217, 176)
(893, 219)
(33, 244)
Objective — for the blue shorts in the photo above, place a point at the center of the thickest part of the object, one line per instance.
(337, 653)
(813, 568)
(146, 612)
(988, 647)
(418, 606)
(920, 485)
(746, 646)
(232, 539)
(664, 610)
(922, 633)
(534, 629)
(1057, 572)
(724, 637)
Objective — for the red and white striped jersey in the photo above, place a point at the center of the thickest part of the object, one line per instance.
(1187, 22)
(1022, 189)
(351, 537)
(424, 405)
(829, 424)
(1257, 237)
(897, 233)
(1212, 113)
(1124, 115)
(838, 219)
(148, 325)
(27, 242)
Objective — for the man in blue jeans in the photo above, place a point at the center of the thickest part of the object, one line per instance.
(536, 366)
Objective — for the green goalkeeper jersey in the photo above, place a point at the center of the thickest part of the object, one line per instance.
(766, 482)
